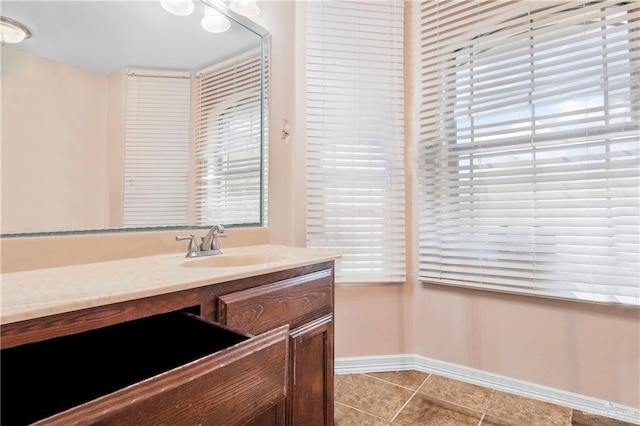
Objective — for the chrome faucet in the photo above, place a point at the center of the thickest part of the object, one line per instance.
(209, 244)
(210, 241)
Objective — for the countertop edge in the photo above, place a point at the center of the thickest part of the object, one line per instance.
(294, 257)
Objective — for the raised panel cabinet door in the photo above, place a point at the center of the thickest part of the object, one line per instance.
(310, 400)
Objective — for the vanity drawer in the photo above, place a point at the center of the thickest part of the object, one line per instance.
(294, 301)
(172, 368)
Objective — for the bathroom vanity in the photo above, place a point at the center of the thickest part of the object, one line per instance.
(241, 338)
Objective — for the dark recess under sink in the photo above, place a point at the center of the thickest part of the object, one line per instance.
(41, 379)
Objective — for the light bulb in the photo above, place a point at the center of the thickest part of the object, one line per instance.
(178, 7)
(214, 21)
(248, 8)
(12, 31)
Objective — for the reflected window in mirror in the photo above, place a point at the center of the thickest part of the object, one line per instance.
(228, 142)
(156, 148)
(222, 151)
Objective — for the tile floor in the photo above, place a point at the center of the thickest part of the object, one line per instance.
(416, 398)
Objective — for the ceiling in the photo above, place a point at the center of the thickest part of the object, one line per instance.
(104, 36)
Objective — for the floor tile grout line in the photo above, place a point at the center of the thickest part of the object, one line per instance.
(392, 383)
(503, 418)
(486, 407)
(410, 398)
(459, 404)
(481, 420)
(362, 411)
(486, 404)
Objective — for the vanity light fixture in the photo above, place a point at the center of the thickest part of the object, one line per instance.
(248, 8)
(12, 31)
(214, 21)
(178, 7)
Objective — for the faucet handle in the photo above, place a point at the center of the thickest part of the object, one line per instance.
(193, 246)
(215, 245)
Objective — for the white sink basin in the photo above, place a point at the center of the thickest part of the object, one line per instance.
(230, 261)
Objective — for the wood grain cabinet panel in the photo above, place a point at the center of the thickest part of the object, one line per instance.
(168, 369)
(305, 303)
(311, 374)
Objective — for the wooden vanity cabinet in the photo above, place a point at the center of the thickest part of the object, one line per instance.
(305, 303)
(281, 372)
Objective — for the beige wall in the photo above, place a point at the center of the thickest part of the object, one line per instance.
(27, 253)
(52, 157)
(373, 320)
(286, 159)
(580, 347)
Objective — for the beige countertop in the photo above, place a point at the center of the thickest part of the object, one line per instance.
(33, 294)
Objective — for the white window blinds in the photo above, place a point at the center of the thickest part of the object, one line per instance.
(355, 136)
(228, 149)
(529, 147)
(156, 163)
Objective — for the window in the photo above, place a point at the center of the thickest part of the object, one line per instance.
(156, 163)
(355, 137)
(229, 143)
(194, 151)
(529, 148)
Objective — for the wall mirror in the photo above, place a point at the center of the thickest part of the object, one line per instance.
(117, 115)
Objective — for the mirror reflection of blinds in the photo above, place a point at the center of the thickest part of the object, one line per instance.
(156, 164)
(228, 142)
(355, 137)
(266, 90)
(530, 148)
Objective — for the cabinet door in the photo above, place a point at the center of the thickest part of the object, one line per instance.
(310, 401)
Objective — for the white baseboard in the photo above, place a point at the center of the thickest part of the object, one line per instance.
(376, 364)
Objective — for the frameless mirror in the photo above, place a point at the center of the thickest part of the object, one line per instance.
(118, 115)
